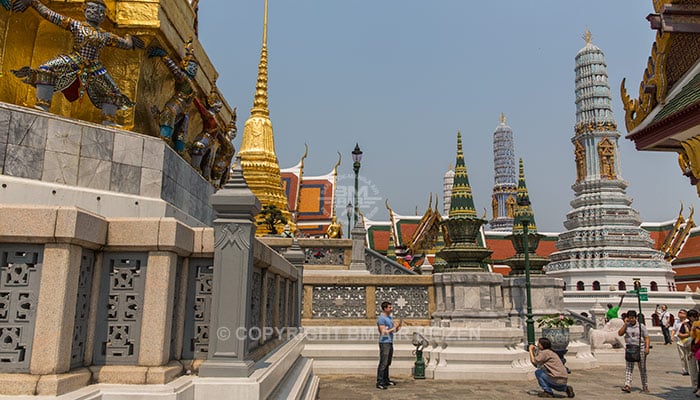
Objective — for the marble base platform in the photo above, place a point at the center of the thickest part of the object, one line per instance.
(69, 159)
(453, 353)
(283, 374)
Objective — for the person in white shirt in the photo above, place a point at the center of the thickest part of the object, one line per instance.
(665, 320)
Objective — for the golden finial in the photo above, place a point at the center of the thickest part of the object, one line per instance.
(503, 119)
(430, 202)
(335, 169)
(587, 35)
(394, 234)
(451, 167)
(335, 178)
(260, 104)
(306, 153)
(436, 201)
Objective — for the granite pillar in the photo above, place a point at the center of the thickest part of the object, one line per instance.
(358, 234)
(158, 299)
(53, 332)
(234, 234)
(295, 256)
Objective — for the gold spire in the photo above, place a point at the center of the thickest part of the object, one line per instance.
(260, 105)
(587, 35)
(258, 158)
(503, 119)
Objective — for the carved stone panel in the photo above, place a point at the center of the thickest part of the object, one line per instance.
(408, 301)
(198, 314)
(339, 302)
(82, 308)
(120, 308)
(255, 308)
(282, 320)
(270, 317)
(20, 272)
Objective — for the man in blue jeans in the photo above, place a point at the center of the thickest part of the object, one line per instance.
(551, 373)
(386, 327)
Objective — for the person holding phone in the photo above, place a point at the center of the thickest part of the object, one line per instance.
(386, 327)
(635, 334)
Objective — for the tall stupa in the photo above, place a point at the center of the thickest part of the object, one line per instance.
(258, 158)
(603, 247)
(503, 200)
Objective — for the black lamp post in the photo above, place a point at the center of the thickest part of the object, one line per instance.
(348, 210)
(524, 219)
(356, 159)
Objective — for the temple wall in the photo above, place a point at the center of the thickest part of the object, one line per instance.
(87, 299)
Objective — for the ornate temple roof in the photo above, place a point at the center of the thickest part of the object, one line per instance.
(667, 106)
(311, 199)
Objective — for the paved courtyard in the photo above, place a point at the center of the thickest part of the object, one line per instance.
(665, 382)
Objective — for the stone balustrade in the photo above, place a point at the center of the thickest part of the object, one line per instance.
(88, 299)
(345, 300)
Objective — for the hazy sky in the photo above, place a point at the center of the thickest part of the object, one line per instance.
(400, 77)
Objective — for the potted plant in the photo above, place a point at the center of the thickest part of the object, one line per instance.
(555, 327)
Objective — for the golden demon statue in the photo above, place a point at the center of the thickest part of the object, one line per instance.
(173, 119)
(80, 71)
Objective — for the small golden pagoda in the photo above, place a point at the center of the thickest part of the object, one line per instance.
(258, 158)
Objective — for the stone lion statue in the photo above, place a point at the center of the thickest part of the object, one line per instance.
(607, 335)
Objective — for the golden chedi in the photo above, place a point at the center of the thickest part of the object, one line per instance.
(258, 158)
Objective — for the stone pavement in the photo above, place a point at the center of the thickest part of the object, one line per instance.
(665, 382)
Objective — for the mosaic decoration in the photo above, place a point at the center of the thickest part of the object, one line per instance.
(255, 305)
(82, 308)
(120, 308)
(198, 309)
(408, 301)
(20, 272)
(270, 301)
(280, 304)
(339, 302)
(324, 256)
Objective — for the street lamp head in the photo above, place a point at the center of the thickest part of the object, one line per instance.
(348, 208)
(357, 154)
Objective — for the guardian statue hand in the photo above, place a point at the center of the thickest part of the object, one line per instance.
(136, 42)
(19, 5)
(156, 52)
